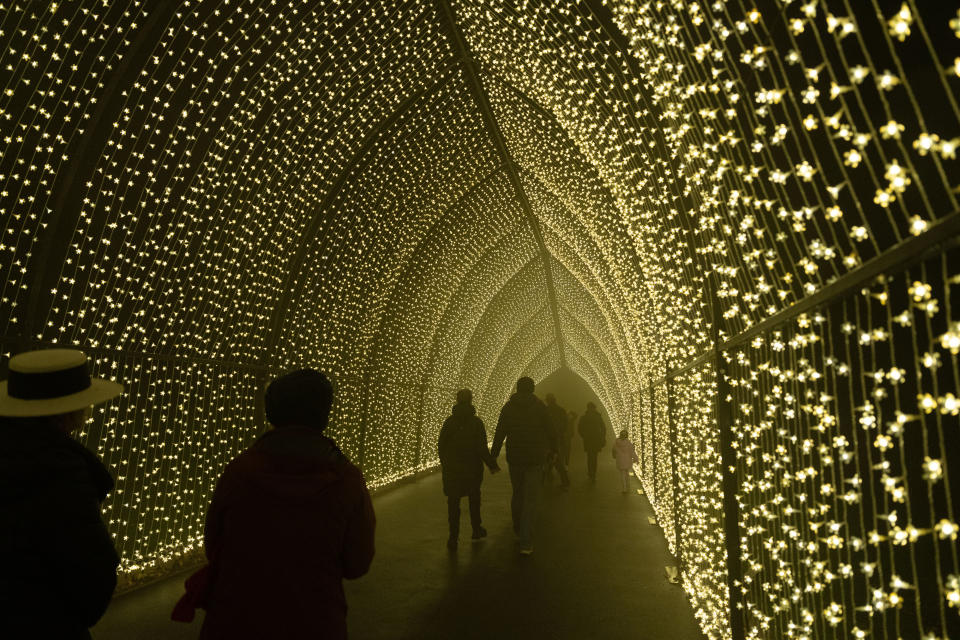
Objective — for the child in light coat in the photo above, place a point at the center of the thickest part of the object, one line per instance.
(626, 457)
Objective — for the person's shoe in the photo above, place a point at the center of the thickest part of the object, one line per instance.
(452, 544)
(526, 551)
(479, 534)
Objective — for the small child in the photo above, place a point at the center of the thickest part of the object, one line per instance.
(626, 457)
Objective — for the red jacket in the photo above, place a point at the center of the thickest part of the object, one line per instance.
(290, 518)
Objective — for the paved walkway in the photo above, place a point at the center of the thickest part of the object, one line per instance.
(597, 572)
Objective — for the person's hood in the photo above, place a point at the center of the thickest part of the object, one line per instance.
(463, 410)
(295, 463)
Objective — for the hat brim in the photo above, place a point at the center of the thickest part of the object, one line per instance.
(98, 391)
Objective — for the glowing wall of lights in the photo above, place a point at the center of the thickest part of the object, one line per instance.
(604, 381)
(572, 202)
(688, 503)
(580, 364)
(165, 468)
(662, 496)
(844, 445)
(535, 334)
(791, 141)
(700, 505)
(509, 313)
(326, 163)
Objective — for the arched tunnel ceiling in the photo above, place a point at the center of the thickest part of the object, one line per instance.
(205, 194)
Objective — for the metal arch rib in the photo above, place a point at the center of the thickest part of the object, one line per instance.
(293, 281)
(459, 44)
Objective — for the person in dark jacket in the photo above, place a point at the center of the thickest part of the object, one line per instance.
(558, 422)
(290, 518)
(463, 451)
(567, 447)
(58, 565)
(525, 426)
(594, 435)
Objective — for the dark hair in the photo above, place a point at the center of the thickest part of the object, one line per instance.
(525, 385)
(299, 398)
(464, 396)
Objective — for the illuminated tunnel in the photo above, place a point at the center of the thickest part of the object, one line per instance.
(735, 220)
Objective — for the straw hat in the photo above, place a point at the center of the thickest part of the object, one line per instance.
(50, 382)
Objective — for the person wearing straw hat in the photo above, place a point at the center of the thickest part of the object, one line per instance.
(58, 565)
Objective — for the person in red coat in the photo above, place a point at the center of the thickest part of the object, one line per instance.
(290, 518)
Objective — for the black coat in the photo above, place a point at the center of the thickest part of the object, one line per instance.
(463, 451)
(559, 423)
(525, 425)
(593, 431)
(57, 560)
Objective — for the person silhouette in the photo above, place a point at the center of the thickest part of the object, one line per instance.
(558, 422)
(567, 446)
(525, 426)
(462, 447)
(289, 519)
(59, 565)
(594, 435)
(626, 456)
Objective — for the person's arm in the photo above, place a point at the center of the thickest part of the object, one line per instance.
(358, 540)
(484, 448)
(213, 526)
(498, 436)
(87, 571)
(443, 443)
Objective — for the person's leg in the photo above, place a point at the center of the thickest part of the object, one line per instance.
(453, 518)
(516, 500)
(592, 465)
(531, 498)
(474, 498)
(625, 479)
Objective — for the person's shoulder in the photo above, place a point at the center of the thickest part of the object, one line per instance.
(54, 467)
(68, 466)
(352, 476)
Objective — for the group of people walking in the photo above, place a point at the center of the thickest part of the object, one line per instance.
(289, 519)
(538, 439)
(292, 496)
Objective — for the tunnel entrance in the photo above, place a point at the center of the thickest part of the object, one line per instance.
(573, 393)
